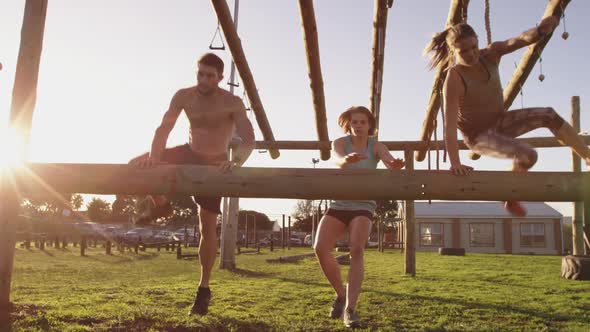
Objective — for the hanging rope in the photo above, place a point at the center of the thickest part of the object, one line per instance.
(487, 20)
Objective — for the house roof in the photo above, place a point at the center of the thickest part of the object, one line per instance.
(480, 210)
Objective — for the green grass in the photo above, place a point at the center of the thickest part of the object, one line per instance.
(61, 291)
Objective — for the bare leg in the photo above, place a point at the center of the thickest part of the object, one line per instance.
(207, 245)
(359, 233)
(568, 136)
(329, 231)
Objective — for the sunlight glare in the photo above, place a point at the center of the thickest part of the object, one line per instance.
(11, 148)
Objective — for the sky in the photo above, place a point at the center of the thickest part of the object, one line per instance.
(109, 69)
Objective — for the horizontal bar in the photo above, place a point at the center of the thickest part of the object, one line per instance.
(303, 183)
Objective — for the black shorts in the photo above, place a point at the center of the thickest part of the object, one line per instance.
(346, 216)
(184, 155)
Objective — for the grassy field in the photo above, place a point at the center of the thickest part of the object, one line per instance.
(59, 290)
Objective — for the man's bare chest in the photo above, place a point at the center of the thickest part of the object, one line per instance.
(200, 117)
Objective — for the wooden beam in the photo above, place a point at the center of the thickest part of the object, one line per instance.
(537, 142)
(24, 95)
(303, 183)
(531, 55)
(239, 57)
(378, 51)
(410, 221)
(456, 12)
(312, 51)
(578, 217)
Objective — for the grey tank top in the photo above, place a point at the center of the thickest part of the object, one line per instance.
(369, 163)
(483, 103)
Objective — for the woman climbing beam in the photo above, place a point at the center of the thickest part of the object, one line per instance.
(359, 149)
(474, 102)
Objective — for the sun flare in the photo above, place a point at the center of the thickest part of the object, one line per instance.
(11, 149)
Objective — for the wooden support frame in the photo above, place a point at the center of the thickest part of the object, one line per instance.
(23, 104)
(304, 183)
(457, 8)
(312, 51)
(531, 55)
(378, 55)
(537, 142)
(578, 217)
(410, 222)
(239, 57)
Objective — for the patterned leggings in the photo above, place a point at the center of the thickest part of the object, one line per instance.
(499, 141)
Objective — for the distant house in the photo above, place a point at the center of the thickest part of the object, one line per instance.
(487, 228)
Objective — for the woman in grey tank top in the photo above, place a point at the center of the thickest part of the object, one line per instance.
(359, 149)
(474, 102)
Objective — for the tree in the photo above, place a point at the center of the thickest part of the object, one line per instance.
(303, 209)
(76, 202)
(184, 211)
(123, 208)
(49, 207)
(99, 210)
(386, 209)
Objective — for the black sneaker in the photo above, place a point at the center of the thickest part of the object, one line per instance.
(351, 319)
(337, 308)
(202, 300)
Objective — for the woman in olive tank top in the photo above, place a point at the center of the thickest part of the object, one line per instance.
(360, 149)
(474, 103)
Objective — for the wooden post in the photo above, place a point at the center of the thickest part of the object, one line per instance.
(312, 50)
(235, 46)
(255, 232)
(283, 233)
(378, 55)
(580, 215)
(289, 235)
(379, 238)
(531, 55)
(83, 246)
(179, 252)
(64, 243)
(457, 8)
(42, 243)
(246, 231)
(108, 247)
(24, 96)
(410, 246)
(228, 259)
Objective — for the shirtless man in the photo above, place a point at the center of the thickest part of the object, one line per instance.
(213, 114)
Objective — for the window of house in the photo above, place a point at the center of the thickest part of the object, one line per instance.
(481, 235)
(431, 235)
(532, 235)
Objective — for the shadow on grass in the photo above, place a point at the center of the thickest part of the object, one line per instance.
(486, 306)
(251, 274)
(117, 259)
(47, 253)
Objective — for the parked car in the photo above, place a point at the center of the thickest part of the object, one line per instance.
(307, 241)
(136, 233)
(295, 241)
(265, 241)
(163, 236)
(88, 228)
